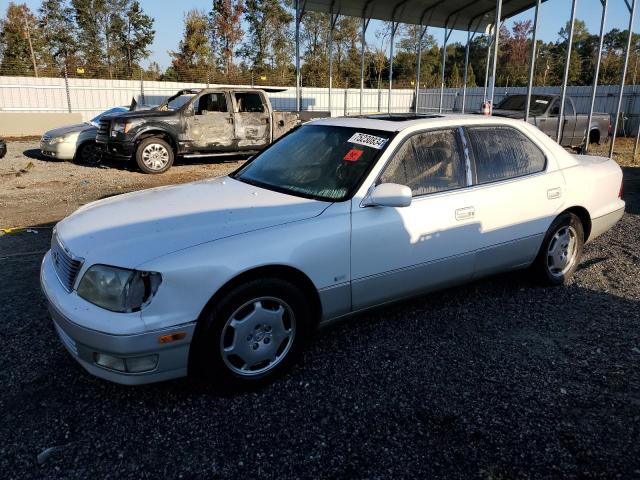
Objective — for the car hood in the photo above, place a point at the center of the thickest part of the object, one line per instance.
(134, 114)
(77, 128)
(128, 230)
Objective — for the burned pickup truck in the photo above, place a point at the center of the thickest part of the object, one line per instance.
(193, 123)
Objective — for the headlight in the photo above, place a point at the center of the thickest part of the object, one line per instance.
(56, 140)
(123, 127)
(118, 289)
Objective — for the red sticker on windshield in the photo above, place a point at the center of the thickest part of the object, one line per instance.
(353, 155)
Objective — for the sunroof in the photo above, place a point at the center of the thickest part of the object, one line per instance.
(401, 117)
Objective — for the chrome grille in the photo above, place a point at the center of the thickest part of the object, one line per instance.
(66, 265)
(103, 127)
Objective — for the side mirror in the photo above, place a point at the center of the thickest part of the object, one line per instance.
(389, 195)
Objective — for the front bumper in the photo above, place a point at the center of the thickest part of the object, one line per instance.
(85, 344)
(115, 149)
(60, 151)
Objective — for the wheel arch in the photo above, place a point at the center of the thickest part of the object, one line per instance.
(585, 218)
(81, 145)
(159, 133)
(285, 272)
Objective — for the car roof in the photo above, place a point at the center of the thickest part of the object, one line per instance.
(398, 122)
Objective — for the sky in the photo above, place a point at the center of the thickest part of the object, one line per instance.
(169, 14)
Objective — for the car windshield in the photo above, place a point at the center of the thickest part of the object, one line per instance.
(317, 161)
(538, 105)
(96, 120)
(177, 101)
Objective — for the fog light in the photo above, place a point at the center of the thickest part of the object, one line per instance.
(141, 364)
(126, 365)
(107, 361)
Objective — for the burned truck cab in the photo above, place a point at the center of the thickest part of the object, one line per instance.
(193, 123)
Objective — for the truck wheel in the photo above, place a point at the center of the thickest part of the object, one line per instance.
(154, 155)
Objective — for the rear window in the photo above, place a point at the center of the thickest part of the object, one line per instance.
(249, 102)
(501, 153)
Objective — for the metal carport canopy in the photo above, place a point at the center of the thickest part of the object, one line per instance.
(465, 15)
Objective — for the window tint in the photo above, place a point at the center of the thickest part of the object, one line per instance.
(211, 102)
(249, 102)
(427, 162)
(503, 152)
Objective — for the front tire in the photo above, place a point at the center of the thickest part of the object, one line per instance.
(87, 154)
(252, 334)
(561, 250)
(154, 155)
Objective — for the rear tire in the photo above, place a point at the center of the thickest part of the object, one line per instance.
(154, 155)
(253, 334)
(561, 250)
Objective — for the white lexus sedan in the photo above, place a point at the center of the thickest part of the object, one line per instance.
(230, 276)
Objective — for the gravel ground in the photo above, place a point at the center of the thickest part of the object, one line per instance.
(35, 190)
(499, 379)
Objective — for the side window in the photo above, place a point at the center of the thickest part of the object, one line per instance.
(249, 102)
(503, 152)
(427, 162)
(210, 102)
(568, 107)
(555, 109)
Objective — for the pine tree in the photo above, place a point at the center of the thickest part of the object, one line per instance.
(268, 45)
(89, 16)
(226, 30)
(136, 36)
(19, 40)
(58, 32)
(193, 57)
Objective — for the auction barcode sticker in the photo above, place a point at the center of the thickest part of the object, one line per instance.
(368, 140)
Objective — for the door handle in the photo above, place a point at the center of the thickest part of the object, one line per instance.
(554, 193)
(465, 213)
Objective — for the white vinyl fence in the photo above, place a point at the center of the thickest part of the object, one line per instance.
(92, 96)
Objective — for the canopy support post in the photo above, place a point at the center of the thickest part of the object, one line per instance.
(466, 67)
(532, 62)
(363, 43)
(496, 42)
(565, 77)
(486, 70)
(394, 28)
(596, 74)
(423, 31)
(632, 12)
(299, 12)
(447, 34)
(333, 19)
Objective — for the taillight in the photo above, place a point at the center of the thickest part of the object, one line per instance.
(621, 190)
(609, 128)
